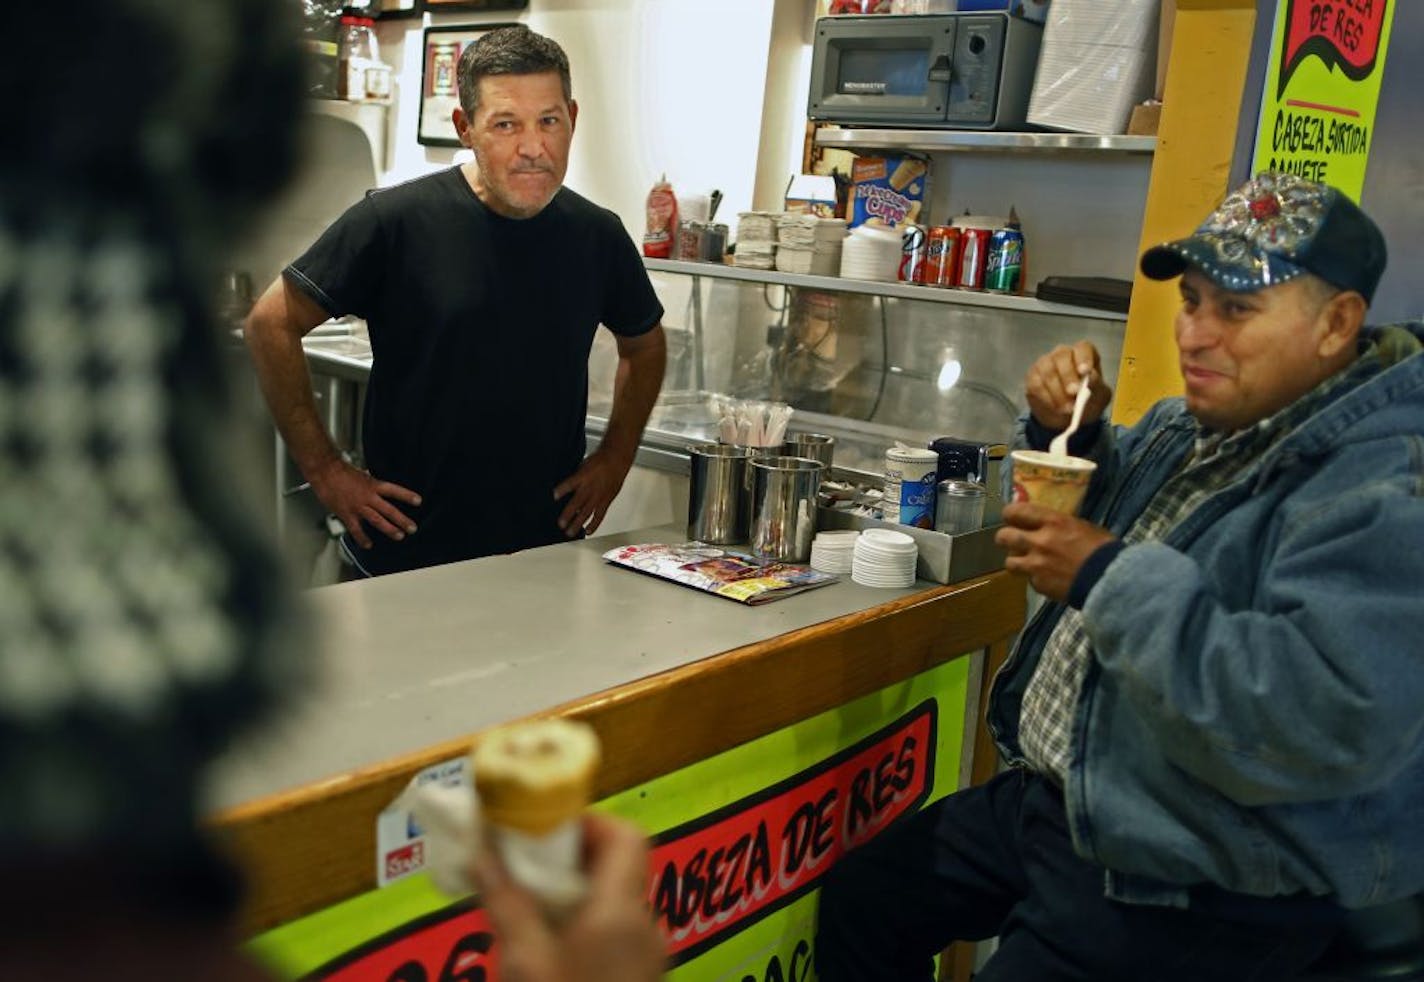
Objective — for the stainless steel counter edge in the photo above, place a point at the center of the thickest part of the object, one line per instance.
(419, 658)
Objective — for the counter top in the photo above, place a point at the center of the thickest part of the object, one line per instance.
(418, 658)
(417, 663)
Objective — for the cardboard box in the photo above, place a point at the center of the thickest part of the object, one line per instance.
(811, 194)
(1098, 60)
(1145, 118)
(1164, 45)
(887, 190)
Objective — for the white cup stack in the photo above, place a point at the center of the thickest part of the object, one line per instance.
(832, 551)
(884, 557)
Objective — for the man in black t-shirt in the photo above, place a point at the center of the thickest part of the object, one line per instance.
(482, 287)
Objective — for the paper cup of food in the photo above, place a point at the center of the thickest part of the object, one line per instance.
(1051, 481)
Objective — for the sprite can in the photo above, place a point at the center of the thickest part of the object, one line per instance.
(1005, 267)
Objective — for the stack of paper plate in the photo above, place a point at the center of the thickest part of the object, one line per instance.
(884, 557)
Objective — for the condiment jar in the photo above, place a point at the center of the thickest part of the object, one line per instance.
(959, 506)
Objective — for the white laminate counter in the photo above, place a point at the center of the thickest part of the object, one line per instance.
(417, 658)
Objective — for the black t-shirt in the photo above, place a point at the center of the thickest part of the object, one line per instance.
(480, 329)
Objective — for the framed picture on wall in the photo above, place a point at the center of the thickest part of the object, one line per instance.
(439, 89)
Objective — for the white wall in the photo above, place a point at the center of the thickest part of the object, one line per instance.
(675, 86)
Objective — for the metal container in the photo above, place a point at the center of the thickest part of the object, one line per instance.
(784, 507)
(718, 499)
(974, 461)
(813, 446)
(714, 242)
(959, 507)
(690, 237)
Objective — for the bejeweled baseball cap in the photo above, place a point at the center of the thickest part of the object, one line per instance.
(1272, 229)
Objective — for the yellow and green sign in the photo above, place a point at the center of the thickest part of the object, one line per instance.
(740, 843)
(1322, 85)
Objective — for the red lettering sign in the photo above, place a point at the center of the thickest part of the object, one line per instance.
(1341, 33)
(735, 866)
(715, 874)
(454, 944)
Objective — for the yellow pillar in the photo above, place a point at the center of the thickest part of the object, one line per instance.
(1206, 76)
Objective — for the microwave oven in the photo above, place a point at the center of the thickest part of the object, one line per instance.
(970, 71)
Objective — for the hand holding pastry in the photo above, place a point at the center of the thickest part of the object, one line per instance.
(533, 781)
(609, 937)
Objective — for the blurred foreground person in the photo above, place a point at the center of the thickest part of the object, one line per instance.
(1214, 725)
(144, 620)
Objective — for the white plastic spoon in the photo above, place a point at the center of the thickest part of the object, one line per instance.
(1059, 445)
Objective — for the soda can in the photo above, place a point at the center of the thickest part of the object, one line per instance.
(942, 256)
(973, 258)
(912, 253)
(1005, 267)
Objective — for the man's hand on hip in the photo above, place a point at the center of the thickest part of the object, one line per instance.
(590, 490)
(359, 499)
(1047, 546)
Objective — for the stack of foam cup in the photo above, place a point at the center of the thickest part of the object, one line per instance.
(756, 240)
(832, 551)
(884, 557)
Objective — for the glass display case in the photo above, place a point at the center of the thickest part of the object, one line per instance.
(867, 362)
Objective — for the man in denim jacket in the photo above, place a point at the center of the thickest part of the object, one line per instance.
(1216, 723)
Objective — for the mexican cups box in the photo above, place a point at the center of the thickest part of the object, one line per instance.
(890, 190)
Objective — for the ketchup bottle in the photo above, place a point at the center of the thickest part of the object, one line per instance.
(661, 235)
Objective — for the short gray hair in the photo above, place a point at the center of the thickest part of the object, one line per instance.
(1318, 291)
(509, 51)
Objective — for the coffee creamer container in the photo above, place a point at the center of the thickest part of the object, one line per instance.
(910, 486)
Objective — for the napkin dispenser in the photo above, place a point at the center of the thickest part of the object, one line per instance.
(975, 461)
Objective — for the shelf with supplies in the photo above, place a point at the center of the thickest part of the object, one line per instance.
(981, 141)
(879, 288)
(871, 371)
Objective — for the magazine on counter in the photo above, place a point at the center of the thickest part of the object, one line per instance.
(734, 575)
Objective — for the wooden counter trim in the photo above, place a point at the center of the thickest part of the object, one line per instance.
(311, 847)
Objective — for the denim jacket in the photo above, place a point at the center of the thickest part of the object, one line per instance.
(1254, 715)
